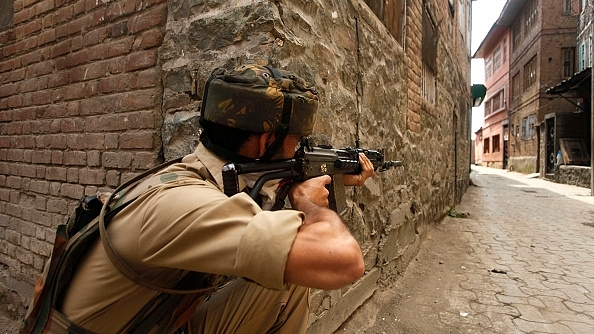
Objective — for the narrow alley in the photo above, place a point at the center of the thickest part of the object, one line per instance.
(521, 262)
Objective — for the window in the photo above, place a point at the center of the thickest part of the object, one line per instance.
(488, 68)
(590, 50)
(530, 73)
(567, 7)
(496, 59)
(497, 102)
(487, 107)
(486, 145)
(528, 127)
(429, 53)
(504, 50)
(568, 62)
(516, 35)
(496, 144)
(531, 15)
(582, 55)
(390, 14)
(516, 86)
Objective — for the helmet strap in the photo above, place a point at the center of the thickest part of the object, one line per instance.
(282, 131)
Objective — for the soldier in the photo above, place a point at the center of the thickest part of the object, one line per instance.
(255, 265)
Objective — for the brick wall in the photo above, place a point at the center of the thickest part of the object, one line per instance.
(79, 95)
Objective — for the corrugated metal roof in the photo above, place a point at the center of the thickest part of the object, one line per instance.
(572, 83)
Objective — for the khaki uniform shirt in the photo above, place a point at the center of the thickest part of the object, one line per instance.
(186, 224)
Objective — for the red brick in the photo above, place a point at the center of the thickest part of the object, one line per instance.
(31, 57)
(154, 17)
(63, 15)
(79, 24)
(148, 78)
(28, 28)
(14, 182)
(92, 4)
(25, 114)
(31, 42)
(79, 8)
(93, 70)
(60, 49)
(56, 141)
(77, 43)
(55, 174)
(119, 9)
(24, 142)
(91, 176)
(6, 116)
(138, 100)
(60, 78)
(57, 157)
(137, 140)
(78, 158)
(141, 59)
(117, 83)
(27, 171)
(44, 6)
(22, 16)
(60, 3)
(81, 57)
(118, 47)
(8, 89)
(40, 69)
(4, 142)
(17, 75)
(57, 205)
(37, 98)
(40, 127)
(144, 160)
(108, 123)
(94, 37)
(150, 39)
(117, 159)
(14, 155)
(13, 128)
(98, 16)
(47, 36)
(70, 92)
(118, 29)
(72, 125)
(39, 186)
(14, 101)
(93, 158)
(62, 31)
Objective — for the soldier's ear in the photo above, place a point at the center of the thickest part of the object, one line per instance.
(266, 139)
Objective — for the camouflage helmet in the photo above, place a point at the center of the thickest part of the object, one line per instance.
(260, 99)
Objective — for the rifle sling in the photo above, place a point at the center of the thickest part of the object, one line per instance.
(115, 258)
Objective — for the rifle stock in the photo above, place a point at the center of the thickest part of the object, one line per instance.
(308, 162)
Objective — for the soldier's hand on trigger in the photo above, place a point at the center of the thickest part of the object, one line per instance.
(308, 192)
(367, 171)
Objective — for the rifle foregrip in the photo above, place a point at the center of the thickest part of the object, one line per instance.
(230, 179)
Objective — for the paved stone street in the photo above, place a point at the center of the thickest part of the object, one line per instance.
(522, 262)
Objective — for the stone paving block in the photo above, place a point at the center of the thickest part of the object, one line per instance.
(539, 327)
(579, 327)
(530, 313)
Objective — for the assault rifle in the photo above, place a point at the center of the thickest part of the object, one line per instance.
(308, 162)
